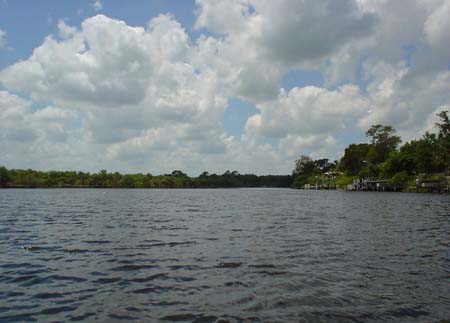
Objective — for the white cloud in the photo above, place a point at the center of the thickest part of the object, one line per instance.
(309, 110)
(437, 30)
(287, 31)
(89, 67)
(133, 87)
(222, 16)
(97, 5)
(24, 130)
(64, 30)
(305, 120)
(2, 38)
(264, 39)
(317, 146)
(150, 98)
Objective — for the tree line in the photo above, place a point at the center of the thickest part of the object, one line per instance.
(20, 178)
(383, 158)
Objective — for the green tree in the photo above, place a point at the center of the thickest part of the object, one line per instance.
(399, 180)
(205, 174)
(325, 165)
(304, 166)
(299, 181)
(427, 160)
(354, 159)
(384, 140)
(178, 173)
(4, 177)
(371, 170)
(443, 140)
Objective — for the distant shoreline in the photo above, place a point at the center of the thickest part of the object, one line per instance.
(227, 188)
(21, 178)
(34, 179)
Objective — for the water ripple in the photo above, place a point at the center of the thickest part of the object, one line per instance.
(238, 255)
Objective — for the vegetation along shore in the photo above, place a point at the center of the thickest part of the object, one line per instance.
(421, 165)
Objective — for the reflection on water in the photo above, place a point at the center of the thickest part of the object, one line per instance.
(236, 255)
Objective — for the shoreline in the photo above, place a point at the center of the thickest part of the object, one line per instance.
(227, 188)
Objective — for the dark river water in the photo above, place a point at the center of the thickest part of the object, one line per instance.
(223, 255)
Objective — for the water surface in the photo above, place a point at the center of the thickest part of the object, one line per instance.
(236, 255)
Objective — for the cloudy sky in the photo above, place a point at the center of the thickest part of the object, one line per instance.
(247, 85)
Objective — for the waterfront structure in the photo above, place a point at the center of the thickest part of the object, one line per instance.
(369, 184)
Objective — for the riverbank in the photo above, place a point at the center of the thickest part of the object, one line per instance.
(20, 178)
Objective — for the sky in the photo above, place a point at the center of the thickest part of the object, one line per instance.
(214, 85)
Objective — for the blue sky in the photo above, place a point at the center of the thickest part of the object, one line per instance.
(213, 85)
(41, 18)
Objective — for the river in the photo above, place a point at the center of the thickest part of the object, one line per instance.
(223, 255)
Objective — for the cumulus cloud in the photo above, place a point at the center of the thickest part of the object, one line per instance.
(2, 38)
(40, 138)
(133, 87)
(307, 119)
(90, 66)
(264, 39)
(437, 30)
(151, 98)
(309, 110)
(222, 16)
(287, 31)
(64, 30)
(403, 64)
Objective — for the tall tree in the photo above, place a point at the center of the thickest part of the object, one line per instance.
(4, 177)
(384, 141)
(443, 142)
(303, 166)
(354, 158)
